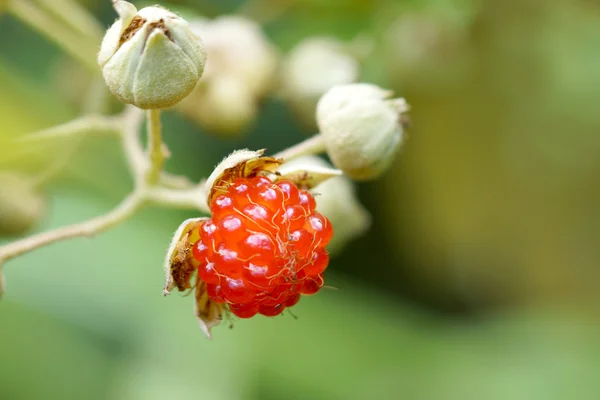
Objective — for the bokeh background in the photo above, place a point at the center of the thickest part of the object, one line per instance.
(477, 280)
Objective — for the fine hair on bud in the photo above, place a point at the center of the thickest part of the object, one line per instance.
(361, 127)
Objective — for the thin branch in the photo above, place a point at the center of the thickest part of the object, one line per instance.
(80, 126)
(148, 175)
(75, 129)
(156, 150)
(77, 46)
(87, 228)
(313, 145)
(175, 181)
(132, 119)
(193, 199)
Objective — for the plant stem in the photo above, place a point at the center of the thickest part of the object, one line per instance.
(312, 145)
(148, 175)
(75, 131)
(156, 151)
(171, 181)
(77, 127)
(132, 119)
(193, 198)
(87, 228)
(74, 44)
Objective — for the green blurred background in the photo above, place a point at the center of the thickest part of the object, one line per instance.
(479, 277)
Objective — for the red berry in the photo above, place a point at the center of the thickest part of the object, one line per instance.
(214, 292)
(312, 286)
(263, 247)
(256, 273)
(292, 300)
(208, 229)
(271, 311)
(320, 227)
(232, 227)
(319, 262)
(302, 243)
(200, 251)
(228, 262)
(207, 273)
(239, 187)
(221, 204)
(307, 201)
(294, 217)
(279, 295)
(236, 291)
(290, 192)
(244, 310)
(271, 198)
(257, 243)
(260, 181)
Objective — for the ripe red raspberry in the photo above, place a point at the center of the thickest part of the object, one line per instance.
(263, 247)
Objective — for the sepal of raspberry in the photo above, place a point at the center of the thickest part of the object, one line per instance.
(208, 312)
(179, 262)
(239, 164)
(306, 175)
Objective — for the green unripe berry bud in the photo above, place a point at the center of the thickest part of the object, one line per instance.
(21, 206)
(150, 58)
(361, 127)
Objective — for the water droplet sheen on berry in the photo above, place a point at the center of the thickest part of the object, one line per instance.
(263, 247)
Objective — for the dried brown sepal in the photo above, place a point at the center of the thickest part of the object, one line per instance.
(308, 179)
(135, 25)
(208, 312)
(179, 263)
(240, 164)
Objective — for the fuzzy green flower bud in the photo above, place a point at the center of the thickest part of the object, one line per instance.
(361, 127)
(21, 206)
(150, 58)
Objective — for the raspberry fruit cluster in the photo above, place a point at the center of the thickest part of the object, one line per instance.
(263, 247)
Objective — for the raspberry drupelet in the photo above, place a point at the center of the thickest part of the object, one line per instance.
(263, 247)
